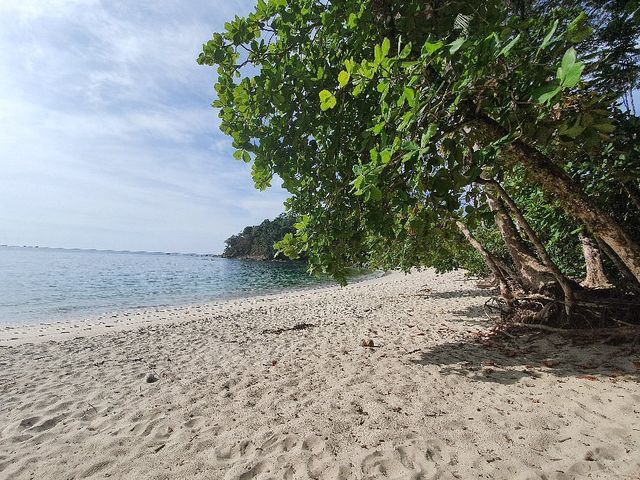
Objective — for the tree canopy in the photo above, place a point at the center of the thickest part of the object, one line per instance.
(402, 128)
(257, 241)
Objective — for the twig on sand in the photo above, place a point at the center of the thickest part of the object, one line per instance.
(299, 326)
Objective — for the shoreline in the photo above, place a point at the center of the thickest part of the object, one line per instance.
(244, 391)
(18, 333)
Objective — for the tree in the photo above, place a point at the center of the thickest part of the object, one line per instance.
(385, 120)
(257, 241)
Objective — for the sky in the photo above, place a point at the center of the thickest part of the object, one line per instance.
(107, 136)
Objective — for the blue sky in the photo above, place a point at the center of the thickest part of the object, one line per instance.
(107, 137)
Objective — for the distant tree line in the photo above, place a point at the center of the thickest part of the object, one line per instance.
(257, 241)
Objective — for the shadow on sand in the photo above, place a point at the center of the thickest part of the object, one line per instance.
(506, 359)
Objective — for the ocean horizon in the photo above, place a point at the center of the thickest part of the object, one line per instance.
(43, 284)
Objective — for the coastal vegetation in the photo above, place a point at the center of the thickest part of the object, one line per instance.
(257, 242)
(501, 137)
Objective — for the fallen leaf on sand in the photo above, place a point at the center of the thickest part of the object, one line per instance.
(588, 377)
(550, 363)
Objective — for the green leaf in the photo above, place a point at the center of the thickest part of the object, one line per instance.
(455, 45)
(545, 93)
(385, 156)
(573, 131)
(327, 100)
(578, 30)
(426, 136)
(405, 51)
(570, 70)
(237, 154)
(430, 48)
(343, 78)
(386, 46)
(507, 48)
(383, 86)
(373, 153)
(352, 22)
(246, 158)
(378, 128)
(410, 95)
(568, 59)
(377, 54)
(548, 36)
(349, 65)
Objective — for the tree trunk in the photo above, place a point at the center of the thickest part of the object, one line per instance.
(505, 289)
(533, 275)
(633, 284)
(596, 278)
(572, 198)
(568, 286)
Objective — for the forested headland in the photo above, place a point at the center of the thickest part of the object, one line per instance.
(256, 242)
(496, 136)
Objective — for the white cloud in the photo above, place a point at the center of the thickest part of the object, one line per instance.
(107, 139)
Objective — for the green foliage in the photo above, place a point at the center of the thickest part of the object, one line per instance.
(369, 115)
(257, 242)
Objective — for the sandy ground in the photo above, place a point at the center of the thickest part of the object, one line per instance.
(239, 398)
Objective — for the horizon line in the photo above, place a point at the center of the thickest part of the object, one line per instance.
(106, 250)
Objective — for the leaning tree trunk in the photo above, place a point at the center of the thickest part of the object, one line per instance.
(632, 284)
(533, 275)
(568, 286)
(595, 278)
(573, 199)
(505, 289)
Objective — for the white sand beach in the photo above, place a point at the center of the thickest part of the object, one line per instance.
(239, 396)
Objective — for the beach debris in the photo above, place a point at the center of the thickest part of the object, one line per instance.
(367, 342)
(550, 363)
(151, 377)
(299, 326)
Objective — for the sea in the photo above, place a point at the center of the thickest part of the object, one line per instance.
(53, 284)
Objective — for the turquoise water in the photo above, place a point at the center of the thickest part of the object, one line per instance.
(43, 284)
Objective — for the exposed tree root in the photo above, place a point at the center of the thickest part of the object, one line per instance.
(595, 311)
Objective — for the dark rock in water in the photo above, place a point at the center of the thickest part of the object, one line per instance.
(151, 377)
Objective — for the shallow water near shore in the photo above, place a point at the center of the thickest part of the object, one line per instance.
(49, 284)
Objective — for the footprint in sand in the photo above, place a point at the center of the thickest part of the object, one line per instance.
(410, 460)
(49, 423)
(29, 422)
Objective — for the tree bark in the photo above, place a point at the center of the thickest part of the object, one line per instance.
(596, 277)
(533, 275)
(568, 286)
(633, 284)
(573, 199)
(505, 289)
